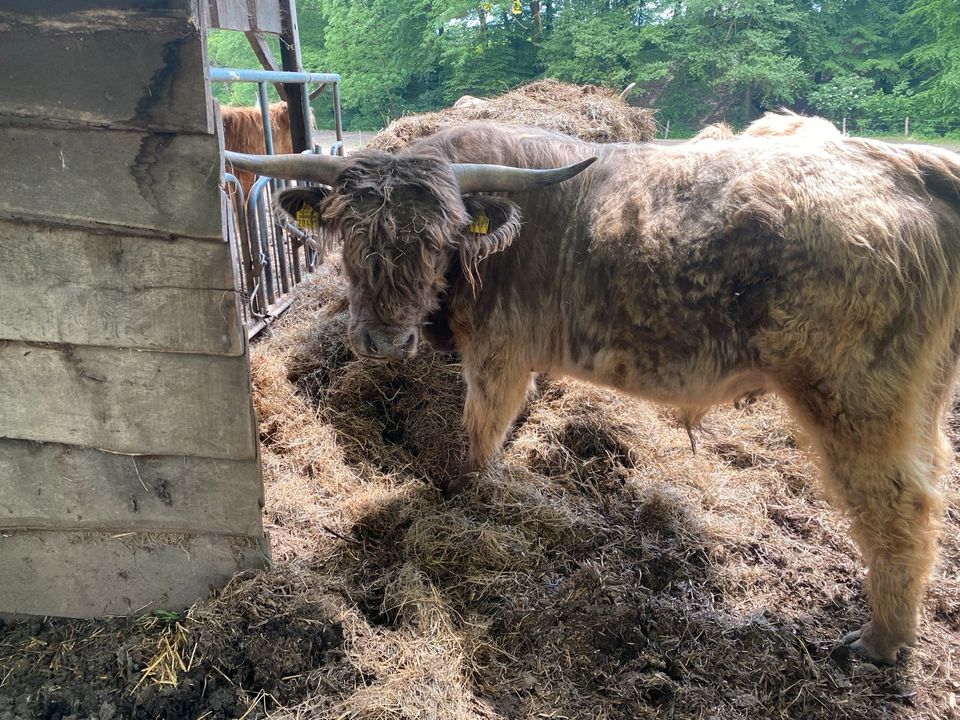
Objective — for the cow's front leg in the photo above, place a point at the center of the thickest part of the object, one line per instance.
(496, 391)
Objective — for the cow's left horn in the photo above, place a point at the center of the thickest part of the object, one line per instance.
(314, 168)
(626, 90)
(502, 178)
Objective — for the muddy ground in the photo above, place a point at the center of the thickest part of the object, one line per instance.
(601, 570)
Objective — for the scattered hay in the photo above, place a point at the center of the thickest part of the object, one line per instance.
(599, 571)
(585, 111)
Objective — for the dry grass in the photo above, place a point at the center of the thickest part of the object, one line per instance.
(585, 111)
(600, 571)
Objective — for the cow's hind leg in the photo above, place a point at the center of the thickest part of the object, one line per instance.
(884, 472)
(496, 391)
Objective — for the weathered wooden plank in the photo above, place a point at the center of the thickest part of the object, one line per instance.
(60, 254)
(46, 485)
(89, 575)
(72, 286)
(173, 319)
(73, 75)
(128, 401)
(265, 16)
(157, 181)
(230, 15)
(107, 8)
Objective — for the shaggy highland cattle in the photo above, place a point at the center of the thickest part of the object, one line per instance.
(824, 269)
(715, 131)
(782, 124)
(243, 133)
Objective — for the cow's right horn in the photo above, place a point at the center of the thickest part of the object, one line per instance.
(626, 90)
(503, 178)
(313, 168)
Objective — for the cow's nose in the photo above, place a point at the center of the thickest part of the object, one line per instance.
(409, 345)
(369, 344)
(387, 343)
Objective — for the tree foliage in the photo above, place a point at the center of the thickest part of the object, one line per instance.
(871, 61)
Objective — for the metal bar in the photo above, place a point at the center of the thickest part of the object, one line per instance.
(265, 56)
(243, 240)
(273, 263)
(264, 271)
(295, 263)
(265, 114)
(338, 125)
(266, 241)
(280, 252)
(234, 75)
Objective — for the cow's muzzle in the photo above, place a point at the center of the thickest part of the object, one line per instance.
(385, 343)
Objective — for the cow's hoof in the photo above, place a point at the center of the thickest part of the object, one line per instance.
(458, 484)
(863, 644)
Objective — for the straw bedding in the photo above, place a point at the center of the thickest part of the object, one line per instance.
(599, 571)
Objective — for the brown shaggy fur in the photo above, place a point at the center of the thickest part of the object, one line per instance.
(788, 123)
(692, 274)
(716, 131)
(243, 132)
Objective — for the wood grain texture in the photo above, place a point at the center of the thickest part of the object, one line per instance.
(93, 574)
(127, 401)
(230, 15)
(265, 16)
(46, 485)
(58, 254)
(163, 182)
(76, 286)
(161, 87)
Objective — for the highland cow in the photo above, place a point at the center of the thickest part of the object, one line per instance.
(826, 270)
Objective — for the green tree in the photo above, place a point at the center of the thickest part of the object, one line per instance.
(386, 51)
(934, 28)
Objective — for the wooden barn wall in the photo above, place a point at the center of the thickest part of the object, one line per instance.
(129, 470)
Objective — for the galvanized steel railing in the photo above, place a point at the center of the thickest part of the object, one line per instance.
(271, 257)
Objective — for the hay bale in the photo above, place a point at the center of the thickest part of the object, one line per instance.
(585, 111)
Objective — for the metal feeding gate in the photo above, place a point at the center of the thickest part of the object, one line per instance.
(271, 255)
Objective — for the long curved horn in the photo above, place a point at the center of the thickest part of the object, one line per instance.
(314, 168)
(501, 178)
(626, 90)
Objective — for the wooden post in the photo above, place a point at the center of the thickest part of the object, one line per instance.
(129, 463)
(906, 125)
(666, 132)
(297, 100)
(844, 129)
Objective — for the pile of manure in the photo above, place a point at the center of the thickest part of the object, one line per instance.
(599, 570)
(588, 112)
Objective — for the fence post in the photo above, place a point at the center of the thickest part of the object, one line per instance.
(906, 125)
(844, 129)
(666, 132)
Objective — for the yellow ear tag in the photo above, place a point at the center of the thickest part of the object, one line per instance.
(306, 217)
(480, 224)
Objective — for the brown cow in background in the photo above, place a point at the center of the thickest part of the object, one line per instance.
(243, 132)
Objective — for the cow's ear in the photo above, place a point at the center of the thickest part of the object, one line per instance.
(303, 205)
(495, 222)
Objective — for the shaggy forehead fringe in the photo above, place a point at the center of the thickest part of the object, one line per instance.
(394, 248)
